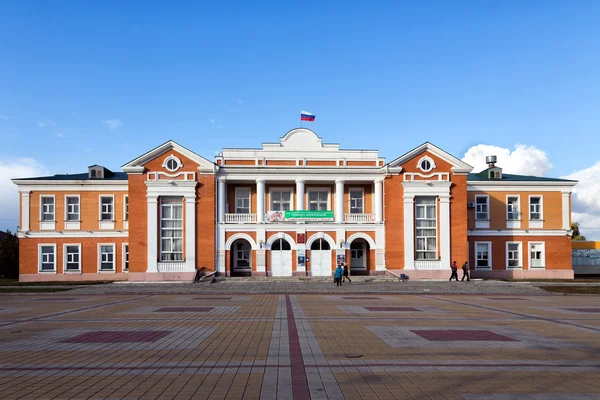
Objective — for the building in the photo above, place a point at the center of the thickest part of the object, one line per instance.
(586, 258)
(295, 207)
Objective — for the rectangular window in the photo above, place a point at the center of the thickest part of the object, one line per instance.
(48, 258)
(318, 200)
(171, 229)
(483, 255)
(72, 208)
(125, 257)
(106, 208)
(535, 208)
(47, 208)
(72, 257)
(126, 207)
(242, 200)
(426, 227)
(482, 208)
(513, 255)
(107, 257)
(512, 208)
(537, 255)
(281, 199)
(356, 201)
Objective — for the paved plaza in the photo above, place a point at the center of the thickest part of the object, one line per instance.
(344, 343)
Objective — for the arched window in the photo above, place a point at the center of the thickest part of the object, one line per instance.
(280, 244)
(172, 163)
(320, 244)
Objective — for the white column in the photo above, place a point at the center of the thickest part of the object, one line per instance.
(221, 197)
(379, 200)
(409, 229)
(445, 232)
(260, 200)
(190, 233)
(25, 211)
(566, 214)
(299, 194)
(152, 232)
(339, 201)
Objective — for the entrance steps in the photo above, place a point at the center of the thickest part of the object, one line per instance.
(310, 279)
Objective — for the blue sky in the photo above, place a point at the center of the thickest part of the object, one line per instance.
(385, 75)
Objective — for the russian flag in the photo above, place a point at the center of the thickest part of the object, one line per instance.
(306, 116)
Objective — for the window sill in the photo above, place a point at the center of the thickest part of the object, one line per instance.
(514, 267)
(107, 272)
(47, 272)
(72, 272)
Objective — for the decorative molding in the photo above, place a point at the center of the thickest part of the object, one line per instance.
(519, 232)
(74, 234)
(320, 235)
(361, 235)
(237, 236)
(164, 148)
(282, 235)
(458, 166)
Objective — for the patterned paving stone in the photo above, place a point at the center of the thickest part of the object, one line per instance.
(583, 310)
(454, 335)
(118, 337)
(184, 309)
(393, 309)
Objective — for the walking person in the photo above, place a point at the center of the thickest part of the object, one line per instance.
(454, 268)
(465, 269)
(346, 273)
(338, 275)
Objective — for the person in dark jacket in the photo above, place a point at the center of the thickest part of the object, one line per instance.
(465, 269)
(338, 275)
(454, 268)
(346, 273)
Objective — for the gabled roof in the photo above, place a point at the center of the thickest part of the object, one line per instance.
(458, 166)
(136, 164)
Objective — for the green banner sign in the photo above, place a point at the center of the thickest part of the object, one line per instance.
(308, 215)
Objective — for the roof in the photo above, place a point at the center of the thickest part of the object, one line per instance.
(458, 166)
(114, 176)
(484, 177)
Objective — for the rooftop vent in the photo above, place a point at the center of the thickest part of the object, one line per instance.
(491, 161)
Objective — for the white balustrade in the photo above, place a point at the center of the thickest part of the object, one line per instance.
(428, 264)
(171, 266)
(360, 218)
(240, 218)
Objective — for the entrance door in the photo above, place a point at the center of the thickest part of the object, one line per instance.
(281, 258)
(241, 256)
(358, 255)
(320, 258)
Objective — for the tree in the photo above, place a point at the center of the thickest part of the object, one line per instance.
(576, 234)
(9, 256)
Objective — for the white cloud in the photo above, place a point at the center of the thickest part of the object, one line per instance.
(586, 200)
(46, 122)
(61, 135)
(239, 101)
(212, 120)
(113, 124)
(9, 195)
(523, 160)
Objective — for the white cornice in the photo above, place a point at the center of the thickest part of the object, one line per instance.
(72, 234)
(307, 176)
(519, 232)
(73, 186)
(535, 186)
(162, 149)
(458, 166)
(133, 170)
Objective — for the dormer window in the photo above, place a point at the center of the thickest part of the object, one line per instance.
(96, 172)
(495, 173)
(426, 164)
(172, 163)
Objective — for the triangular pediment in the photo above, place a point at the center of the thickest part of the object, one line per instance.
(458, 166)
(137, 165)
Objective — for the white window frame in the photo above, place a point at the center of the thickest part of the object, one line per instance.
(356, 189)
(53, 245)
(178, 163)
(66, 259)
(314, 189)
(431, 164)
(543, 258)
(238, 190)
(125, 207)
(489, 245)
(50, 196)
(112, 197)
(481, 223)
(107, 271)
(437, 224)
(536, 223)
(67, 196)
(281, 189)
(182, 238)
(514, 223)
(124, 257)
(520, 266)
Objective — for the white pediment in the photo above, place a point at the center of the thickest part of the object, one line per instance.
(458, 166)
(301, 139)
(136, 165)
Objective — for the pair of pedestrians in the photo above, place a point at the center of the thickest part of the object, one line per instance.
(465, 269)
(339, 273)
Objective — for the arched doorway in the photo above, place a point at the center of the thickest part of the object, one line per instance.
(359, 257)
(281, 258)
(320, 258)
(241, 258)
